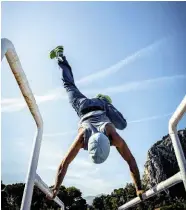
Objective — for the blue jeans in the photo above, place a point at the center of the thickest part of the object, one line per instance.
(80, 102)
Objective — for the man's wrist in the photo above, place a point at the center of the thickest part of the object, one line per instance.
(56, 188)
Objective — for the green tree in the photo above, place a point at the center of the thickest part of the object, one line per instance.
(98, 202)
(74, 199)
(12, 197)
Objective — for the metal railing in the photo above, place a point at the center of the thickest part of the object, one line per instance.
(8, 50)
(181, 175)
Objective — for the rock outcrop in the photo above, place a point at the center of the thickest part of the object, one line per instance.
(161, 160)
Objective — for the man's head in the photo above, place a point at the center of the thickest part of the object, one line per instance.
(98, 147)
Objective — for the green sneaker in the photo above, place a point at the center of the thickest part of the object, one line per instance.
(55, 52)
(101, 96)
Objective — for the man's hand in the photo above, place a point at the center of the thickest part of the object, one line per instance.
(54, 193)
(139, 194)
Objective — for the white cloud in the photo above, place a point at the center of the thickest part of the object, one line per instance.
(88, 185)
(10, 101)
(17, 104)
(15, 107)
(85, 175)
(59, 134)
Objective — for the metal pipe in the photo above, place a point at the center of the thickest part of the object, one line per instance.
(44, 188)
(175, 179)
(8, 50)
(176, 117)
(5, 45)
(29, 183)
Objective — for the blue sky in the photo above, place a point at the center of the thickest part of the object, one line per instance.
(133, 51)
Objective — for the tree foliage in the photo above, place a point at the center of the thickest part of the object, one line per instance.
(11, 196)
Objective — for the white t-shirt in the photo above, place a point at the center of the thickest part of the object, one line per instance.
(93, 122)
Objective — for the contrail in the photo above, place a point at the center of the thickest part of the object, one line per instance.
(143, 84)
(118, 66)
(150, 118)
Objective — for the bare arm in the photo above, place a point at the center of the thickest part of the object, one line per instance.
(126, 154)
(71, 154)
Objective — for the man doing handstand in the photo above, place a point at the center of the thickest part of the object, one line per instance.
(99, 120)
